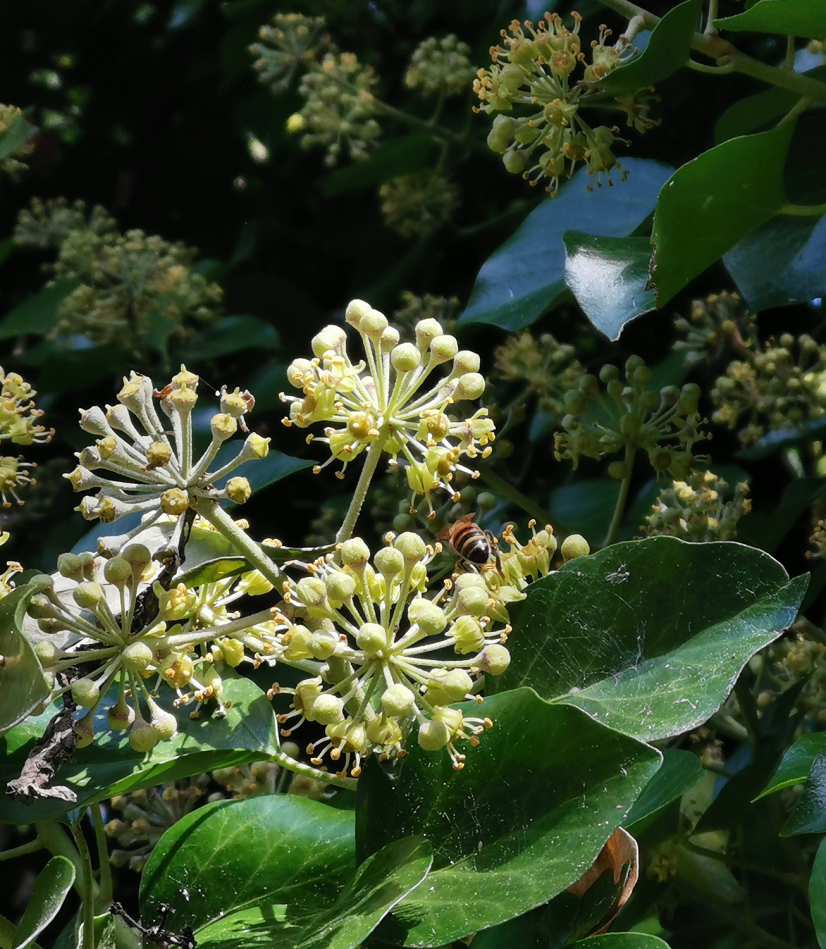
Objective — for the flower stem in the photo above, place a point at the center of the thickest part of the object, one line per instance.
(499, 484)
(366, 476)
(105, 891)
(619, 510)
(226, 526)
(87, 887)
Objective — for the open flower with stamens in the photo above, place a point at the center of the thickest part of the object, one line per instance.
(386, 658)
(394, 401)
(156, 471)
(116, 620)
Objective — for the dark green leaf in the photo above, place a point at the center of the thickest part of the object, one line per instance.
(680, 771)
(656, 631)
(666, 52)
(50, 889)
(17, 134)
(109, 766)
(788, 17)
(233, 855)
(713, 202)
(232, 334)
(766, 531)
(528, 814)
(260, 473)
(39, 313)
(6, 247)
(379, 884)
(400, 156)
(817, 894)
(782, 262)
(623, 941)
(22, 686)
(526, 275)
(608, 276)
(809, 814)
(585, 506)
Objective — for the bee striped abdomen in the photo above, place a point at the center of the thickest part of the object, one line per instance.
(469, 541)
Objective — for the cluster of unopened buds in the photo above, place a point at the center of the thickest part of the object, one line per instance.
(696, 509)
(156, 470)
(664, 424)
(379, 645)
(784, 386)
(547, 367)
(719, 324)
(12, 164)
(290, 43)
(534, 71)
(394, 401)
(415, 205)
(440, 65)
(19, 424)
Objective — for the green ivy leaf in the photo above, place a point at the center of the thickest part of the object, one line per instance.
(680, 771)
(109, 766)
(666, 52)
(787, 17)
(525, 277)
(809, 814)
(50, 890)
(622, 941)
(529, 813)
(713, 202)
(220, 859)
(608, 276)
(817, 894)
(232, 334)
(39, 313)
(766, 531)
(796, 763)
(17, 134)
(782, 262)
(22, 686)
(401, 156)
(649, 636)
(379, 884)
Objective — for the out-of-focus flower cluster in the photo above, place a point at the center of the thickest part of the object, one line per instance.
(415, 205)
(14, 163)
(628, 415)
(534, 70)
(440, 65)
(547, 367)
(156, 470)
(292, 42)
(18, 424)
(391, 401)
(785, 664)
(695, 509)
(783, 386)
(718, 325)
(97, 613)
(131, 285)
(339, 108)
(383, 648)
(416, 308)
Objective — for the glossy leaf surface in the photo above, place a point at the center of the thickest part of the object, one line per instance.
(379, 884)
(50, 890)
(523, 820)
(669, 627)
(797, 762)
(234, 855)
(817, 894)
(526, 275)
(608, 277)
(22, 686)
(40, 312)
(680, 771)
(787, 17)
(809, 814)
(713, 202)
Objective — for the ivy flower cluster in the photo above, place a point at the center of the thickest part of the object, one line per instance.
(391, 402)
(128, 282)
(139, 661)
(534, 70)
(547, 367)
(695, 509)
(156, 470)
(783, 386)
(416, 205)
(380, 649)
(440, 65)
(717, 326)
(18, 424)
(290, 43)
(13, 164)
(630, 416)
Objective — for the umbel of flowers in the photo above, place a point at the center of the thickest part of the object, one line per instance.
(394, 401)
(535, 71)
(18, 424)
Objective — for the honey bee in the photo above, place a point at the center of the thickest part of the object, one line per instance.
(472, 544)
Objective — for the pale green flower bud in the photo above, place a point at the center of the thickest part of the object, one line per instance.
(443, 348)
(86, 693)
(143, 737)
(389, 339)
(306, 693)
(433, 735)
(239, 490)
(427, 330)
(340, 586)
(120, 716)
(297, 644)
(164, 723)
(373, 325)
(330, 338)
(406, 358)
(494, 659)
(384, 731)
(312, 591)
(328, 709)
(465, 361)
(473, 600)
(136, 657)
(323, 643)
(355, 553)
(469, 386)
(138, 557)
(398, 700)
(85, 729)
(298, 371)
(68, 565)
(117, 570)
(87, 595)
(574, 546)
(412, 547)
(425, 614)
(468, 635)
(45, 652)
(232, 651)
(371, 639)
(389, 561)
(456, 684)
(356, 310)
